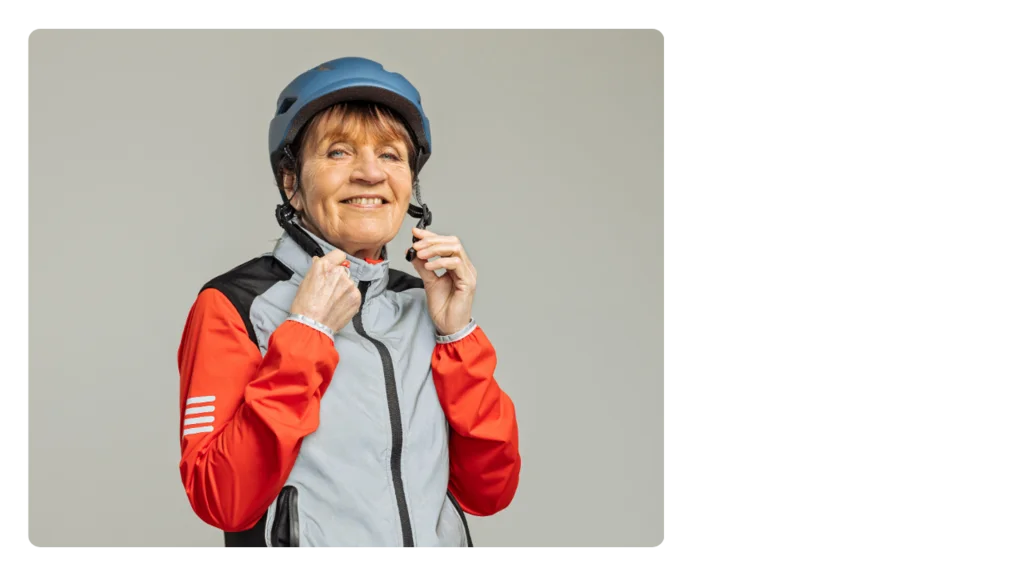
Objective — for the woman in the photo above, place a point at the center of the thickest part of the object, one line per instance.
(326, 399)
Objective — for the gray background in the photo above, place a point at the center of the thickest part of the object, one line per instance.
(149, 175)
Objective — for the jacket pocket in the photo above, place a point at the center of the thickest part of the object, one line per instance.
(285, 531)
(462, 518)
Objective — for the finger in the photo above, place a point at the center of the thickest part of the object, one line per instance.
(439, 250)
(421, 268)
(431, 240)
(464, 270)
(450, 263)
(334, 275)
(421, 233)
(342, 281)
(335, 257)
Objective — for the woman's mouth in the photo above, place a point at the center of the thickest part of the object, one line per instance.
(365, 202)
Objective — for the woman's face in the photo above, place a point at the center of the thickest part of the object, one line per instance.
(355, 189)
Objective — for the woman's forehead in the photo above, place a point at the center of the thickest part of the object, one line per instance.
(356, 129)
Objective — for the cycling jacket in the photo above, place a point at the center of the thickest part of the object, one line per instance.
(383, 435)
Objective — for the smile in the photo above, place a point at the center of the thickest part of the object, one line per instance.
(366, 202)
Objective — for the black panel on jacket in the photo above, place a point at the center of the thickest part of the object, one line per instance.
(284, 532)
(251, 538)
(242, 284)
(399, 281)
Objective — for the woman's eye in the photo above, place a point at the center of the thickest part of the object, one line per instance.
(335, 153)
(391, 156)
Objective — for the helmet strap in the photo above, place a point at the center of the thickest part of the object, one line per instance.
(422, 212)
(286, 213)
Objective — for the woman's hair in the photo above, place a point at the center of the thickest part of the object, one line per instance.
(356, 120)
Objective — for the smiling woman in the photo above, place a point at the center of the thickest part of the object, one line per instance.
(345, 403)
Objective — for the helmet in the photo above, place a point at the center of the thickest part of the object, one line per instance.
(342, 80)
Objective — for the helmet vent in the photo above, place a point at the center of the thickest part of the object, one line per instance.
(286, 105)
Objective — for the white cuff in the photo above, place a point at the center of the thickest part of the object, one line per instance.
(312, 324)
(448, 339)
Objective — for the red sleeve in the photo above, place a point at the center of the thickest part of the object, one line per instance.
(484, 446)
(243, 415)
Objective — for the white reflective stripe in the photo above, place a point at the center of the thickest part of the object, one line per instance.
(200, 400)
(198, 410)
(197, 430)
(200, 420)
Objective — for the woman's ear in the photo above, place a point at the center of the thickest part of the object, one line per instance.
(288, 182)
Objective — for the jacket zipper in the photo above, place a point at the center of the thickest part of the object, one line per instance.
(391, 389)
(462, 515)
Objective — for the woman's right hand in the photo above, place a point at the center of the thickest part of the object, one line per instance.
(327, 294)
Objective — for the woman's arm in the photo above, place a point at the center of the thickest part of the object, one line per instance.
(243, 415)
(484, 445)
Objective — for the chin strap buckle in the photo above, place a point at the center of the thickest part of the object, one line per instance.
(423, 213)
(285, 212)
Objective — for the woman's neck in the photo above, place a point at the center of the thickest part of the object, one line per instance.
(367, 254)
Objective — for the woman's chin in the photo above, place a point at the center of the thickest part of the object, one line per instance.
(362, 238)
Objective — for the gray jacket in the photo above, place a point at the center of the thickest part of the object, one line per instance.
(374, 469)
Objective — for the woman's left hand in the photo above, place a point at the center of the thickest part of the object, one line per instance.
(449, 296)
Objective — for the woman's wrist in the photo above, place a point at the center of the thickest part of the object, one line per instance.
(443, 338)
(312, 324)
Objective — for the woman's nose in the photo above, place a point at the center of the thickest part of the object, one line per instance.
(367, 170)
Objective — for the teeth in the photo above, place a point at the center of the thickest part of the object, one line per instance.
(364, 201)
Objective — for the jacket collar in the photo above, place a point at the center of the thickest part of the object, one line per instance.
(294, 257)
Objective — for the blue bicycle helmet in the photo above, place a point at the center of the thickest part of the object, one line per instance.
(343, 80)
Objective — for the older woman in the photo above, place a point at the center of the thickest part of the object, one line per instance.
(327, 399)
